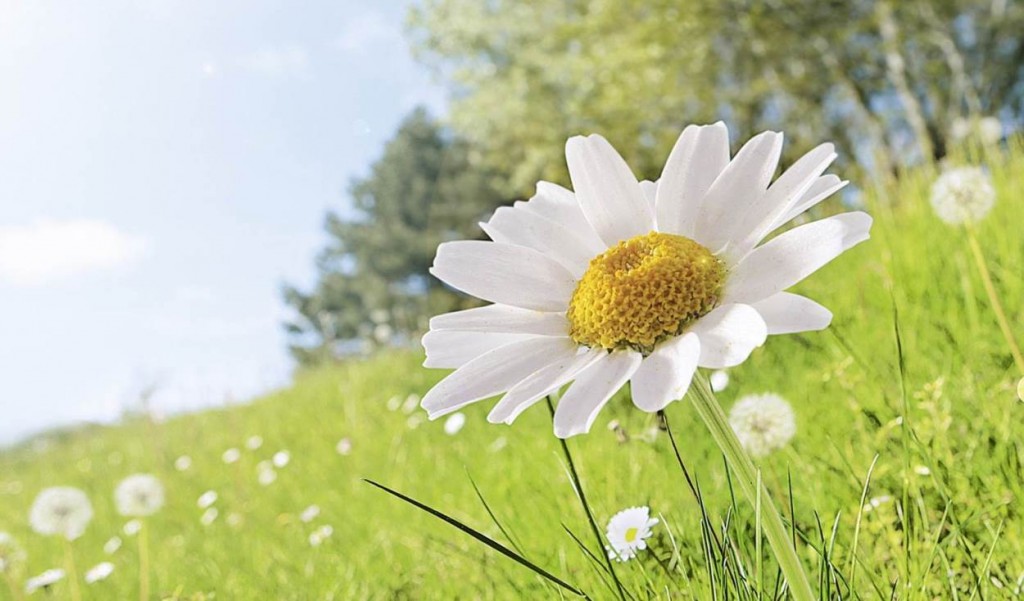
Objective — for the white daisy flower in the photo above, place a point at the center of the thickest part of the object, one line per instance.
(265, 473)
(963, 195)
(209, 516)
(411, 402)
(763, 423)
(10, 552)
(719, 380)
(235, 520)
(132, 527)
(626, 281)
(318, 536)
(44, 580)
(281, 459)
(231, 455)
(344, 446)
(254, 443)
(310, 513)
(139, 495)
(183, 463)
(454, 423)
(99, 572)
(61, 510)
(111, 546)
(628, 531)
(206, 499)
(394, 403)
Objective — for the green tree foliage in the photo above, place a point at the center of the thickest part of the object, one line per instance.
(886, 80)
(373, 286)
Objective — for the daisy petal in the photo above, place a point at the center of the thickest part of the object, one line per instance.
(450, 349)
(580, 405)
(607, 190)
(504, 273)
(502, 319)
(697, 159)
(787, 313)
(794, 255)
(526, 228)
(665, 375)
(728, 335)
(495, 372)
(540, 384)
(650, 190)
(741, 184)
(559, 205)
(781, 196)
(822, 188)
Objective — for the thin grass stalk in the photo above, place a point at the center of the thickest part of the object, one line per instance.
(72, 571)
(710, 412)
(993, 298)
(143, 539)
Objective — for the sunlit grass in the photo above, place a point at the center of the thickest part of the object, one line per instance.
(938, 425)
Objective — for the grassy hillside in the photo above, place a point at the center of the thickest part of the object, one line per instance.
(944, 434)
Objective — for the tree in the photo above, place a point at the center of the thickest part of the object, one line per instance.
(373, 286)
(887, 81)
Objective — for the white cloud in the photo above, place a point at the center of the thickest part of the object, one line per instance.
(46, 251)
(367, 31)
(277, 62)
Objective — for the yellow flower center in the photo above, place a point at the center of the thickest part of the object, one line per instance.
(644, 290)
(631, 535)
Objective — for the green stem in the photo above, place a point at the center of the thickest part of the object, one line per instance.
(16, 593)
(144, 562)
(749, 484)
(72, 571)
(997, 307)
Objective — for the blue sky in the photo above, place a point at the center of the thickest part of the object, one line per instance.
(164, 167)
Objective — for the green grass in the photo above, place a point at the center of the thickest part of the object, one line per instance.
(940, 423)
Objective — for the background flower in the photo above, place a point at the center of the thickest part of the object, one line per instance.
(763, 423)
(139, 495)
(61, 510)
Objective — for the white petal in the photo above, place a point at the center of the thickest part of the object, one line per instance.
(650, 190)
(728, 335)
(822, 188)
(529, 229)
(787, 313)
(607, 190)
(451, 349)
(664, 376)
(741, 184)
(794, 255)
(540, 384)
(579, 406)
(494, 372)
(697, 159)
(503, 319)
(559, 205)
(504, 273)
(780, 197)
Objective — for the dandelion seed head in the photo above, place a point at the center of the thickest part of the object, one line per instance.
(99, 572)
(963, 195)
(628, 531)
(763, 423)
(61, 510)
(139, 495)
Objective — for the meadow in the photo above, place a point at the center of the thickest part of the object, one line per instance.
(904, 480)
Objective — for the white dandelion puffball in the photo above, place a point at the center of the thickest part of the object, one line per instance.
(281, 459)
(719, 380)
(44, 580)
(254, 443)
(344, 446)
(183, 463)
(206, 499)
(231, 455)
(209, 516)
(963, 195)
(10, 552)
(99, 572)
(628, 531)
(139, 495)
(454, 423)
(112, 546)
(763, 423)
(132, 527)
(309, 514)
(624, 281)
(61, 510)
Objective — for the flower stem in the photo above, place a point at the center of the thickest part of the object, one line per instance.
(16, 593)
(144, 562)
(69, 567)
(751, 487)
(586, 509)
(997, 307)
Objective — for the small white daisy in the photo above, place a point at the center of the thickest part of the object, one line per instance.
(99, 572)
(719, 380)
(44, 580)
(10, 552)
(132, 527)
(111, 546)
(139, 495)
(318, 536)
(454, 423)
(183, 463)
(643, 282)
(231, 455)
(235, 520)
(922, 470)
(61, 510)
(344, 446)
(310, 513)
(281, 459)
(963, 195)
(628, 531)
(763, 423)
(206, 499)
(209, 516)
(265, 473)
(394, 403)
(254, 443)
(411, 402)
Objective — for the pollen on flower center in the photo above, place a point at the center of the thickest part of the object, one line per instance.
(630, 535)
(644, 290)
